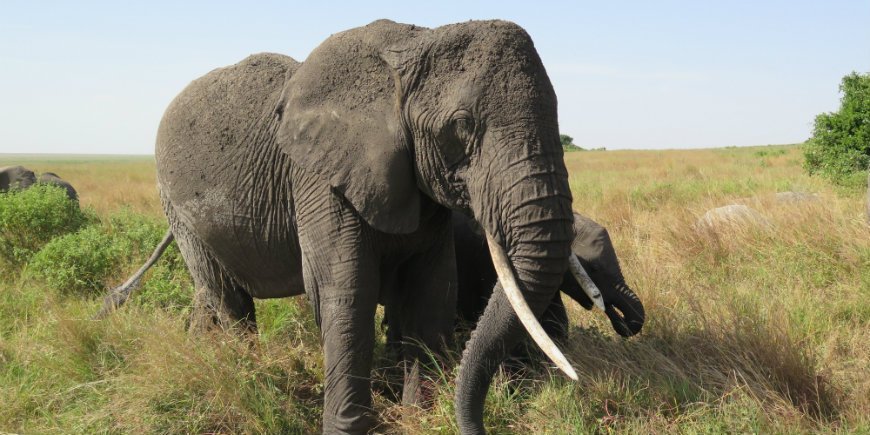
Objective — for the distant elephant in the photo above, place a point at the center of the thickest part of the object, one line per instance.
(344, 170)
(591, 245)
(54, 179)
(16, 177)
(19, 177)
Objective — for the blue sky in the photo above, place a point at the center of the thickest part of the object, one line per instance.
(95, 77)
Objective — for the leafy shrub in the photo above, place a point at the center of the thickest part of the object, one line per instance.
(30, 218)
(78, 262)
(168, 285)
(136, 234)
(86, 261)
(840, 146)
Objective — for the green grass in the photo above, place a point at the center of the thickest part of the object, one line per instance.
(749, 331)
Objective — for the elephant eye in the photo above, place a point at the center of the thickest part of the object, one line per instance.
(463, 125)
(457, 138)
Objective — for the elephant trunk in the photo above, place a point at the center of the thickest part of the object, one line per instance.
(537, 233)
(633, 315)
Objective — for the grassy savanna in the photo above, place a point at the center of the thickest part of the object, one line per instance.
(749, 329)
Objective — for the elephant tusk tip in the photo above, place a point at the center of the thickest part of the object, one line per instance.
(599, 304)
(571, 373)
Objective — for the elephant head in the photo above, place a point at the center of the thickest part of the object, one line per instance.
(395, 117)
(594, 249)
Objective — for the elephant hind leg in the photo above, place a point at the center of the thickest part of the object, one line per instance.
(219, 300)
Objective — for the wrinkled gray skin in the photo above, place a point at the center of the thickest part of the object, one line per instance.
(591, 245)
(19, 177)
(344, 169)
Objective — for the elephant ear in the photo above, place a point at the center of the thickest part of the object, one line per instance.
(341, 120)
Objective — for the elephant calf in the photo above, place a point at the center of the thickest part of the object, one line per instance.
(591, 245)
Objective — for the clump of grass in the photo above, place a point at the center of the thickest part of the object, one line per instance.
(31, 218)
(216, 383)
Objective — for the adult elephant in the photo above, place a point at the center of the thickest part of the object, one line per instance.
(592, 247)
(16, 177)
(343, 169)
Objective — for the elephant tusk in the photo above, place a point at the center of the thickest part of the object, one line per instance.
(585, 281)
(518, 302)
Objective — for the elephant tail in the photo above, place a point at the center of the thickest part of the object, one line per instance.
(119, 295)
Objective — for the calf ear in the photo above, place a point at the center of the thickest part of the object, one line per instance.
(592, 244)
(341, 121)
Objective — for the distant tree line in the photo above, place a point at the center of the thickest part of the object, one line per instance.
(568, 145)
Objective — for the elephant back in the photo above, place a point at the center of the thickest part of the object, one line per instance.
(221, 175)
(211, 130)
(55, 180)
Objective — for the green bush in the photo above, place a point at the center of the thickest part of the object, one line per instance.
(30, 218)
(88, 261)
(568, 143)
(78, 262)
(840, 147)
(168, 283)
(136, 234)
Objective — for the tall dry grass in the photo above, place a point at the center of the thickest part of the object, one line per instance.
(754, 330)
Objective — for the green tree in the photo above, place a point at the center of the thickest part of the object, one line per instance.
(568, 143)
(840, 146)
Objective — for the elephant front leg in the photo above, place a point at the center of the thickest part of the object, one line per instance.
(347, 332)
(343, 289)
(342, 280)
(427, 315)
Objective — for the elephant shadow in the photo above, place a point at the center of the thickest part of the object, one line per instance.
(684, 366)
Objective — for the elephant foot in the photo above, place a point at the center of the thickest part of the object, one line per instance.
(203, 321)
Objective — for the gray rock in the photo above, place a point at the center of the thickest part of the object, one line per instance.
(732, 216)
(796, 197)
